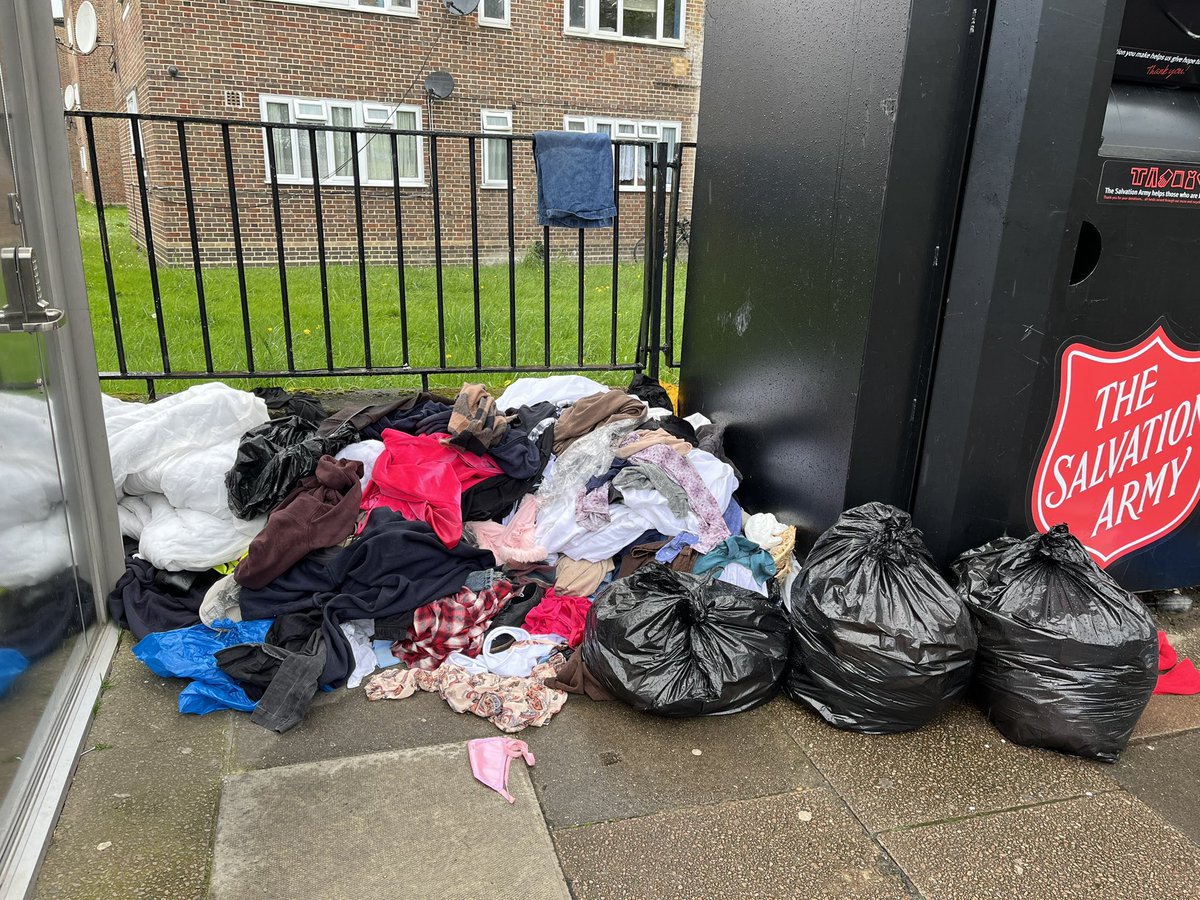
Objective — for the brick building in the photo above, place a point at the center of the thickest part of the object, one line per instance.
(92, 86)
(519, 65)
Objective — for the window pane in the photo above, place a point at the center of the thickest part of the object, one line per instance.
(495, 161)
(376, 4)
(402, 4)
(284, 164)
(494, 9)
(603, 128)
(672, 18)
(641, 18)
(495, 123)
(577, 12)
(608, 15)
(576, 125)
(379, 156)
(342, 142)
(629, 165)
(408, 147)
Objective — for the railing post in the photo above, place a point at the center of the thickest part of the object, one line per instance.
(658, 249)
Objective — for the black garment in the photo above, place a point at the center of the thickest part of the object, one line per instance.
(393, 567)
(35, 620)
(676, 427)
(147, 599)
(282, 672)
(427, 416)
(649, 390)
(394, 628)
(711, 439)
(520, 604)
(272, 458)
(597, 480)
(526, 447)
(362, 418)
(305, 406)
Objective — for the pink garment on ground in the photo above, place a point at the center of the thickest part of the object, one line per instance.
(423, 480)
(1175, 677)
(559, 614)
(516, 541)
(490, 758)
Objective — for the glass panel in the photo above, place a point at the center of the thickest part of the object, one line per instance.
(342, 142)
(672, 18)
(402, 4)
(576, 125)
(494, 9)
(308, 110)
(44, 604)
(603, 128)
(495, 162)
(374, 4)
(670, 134)
(608, 15)
(408, 147)
(641, 19)
(495, 123)
(284, 162)
(577, 13)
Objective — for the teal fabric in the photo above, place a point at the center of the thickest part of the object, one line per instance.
(737, 549)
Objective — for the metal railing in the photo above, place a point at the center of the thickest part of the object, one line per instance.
(211, 193)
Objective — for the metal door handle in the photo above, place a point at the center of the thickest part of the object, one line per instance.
(24, 308)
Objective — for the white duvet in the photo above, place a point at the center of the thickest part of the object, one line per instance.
(34, 542)
(169, 460)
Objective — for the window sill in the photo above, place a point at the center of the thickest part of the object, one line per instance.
(493, 186)
(503, 26)
(327, 185)
(338, 7)
(621, 39)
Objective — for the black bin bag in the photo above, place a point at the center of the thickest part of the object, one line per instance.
(880, 642)
(1067, 658)
(675, 644)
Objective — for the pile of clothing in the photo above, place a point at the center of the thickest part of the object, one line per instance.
(456, 542)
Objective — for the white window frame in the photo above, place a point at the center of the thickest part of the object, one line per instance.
(591, 28)
(364, 114)
(487, 178)
(614, 126)
(489, 22)
(404, 8)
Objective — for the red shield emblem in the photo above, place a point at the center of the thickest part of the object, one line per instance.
(1121, 463)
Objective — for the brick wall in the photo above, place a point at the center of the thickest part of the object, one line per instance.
(263, 46)
(93, 76)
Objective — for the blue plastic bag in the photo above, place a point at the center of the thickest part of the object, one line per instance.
(12, 664)
(188, 653)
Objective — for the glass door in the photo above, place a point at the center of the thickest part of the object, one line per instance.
(60, 548)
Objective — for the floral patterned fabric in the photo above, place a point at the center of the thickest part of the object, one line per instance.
(511, 704)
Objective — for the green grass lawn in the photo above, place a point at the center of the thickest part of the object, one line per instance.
(181, 316)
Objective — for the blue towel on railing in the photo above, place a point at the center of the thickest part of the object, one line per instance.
(575, 179)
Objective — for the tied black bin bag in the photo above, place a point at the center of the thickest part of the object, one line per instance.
(675, 644)
(1067, 657)
(880, 642)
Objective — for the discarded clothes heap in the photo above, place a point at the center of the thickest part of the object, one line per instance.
(569, 538)
(457, 542)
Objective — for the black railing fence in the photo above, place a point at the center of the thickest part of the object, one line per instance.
(442, 270)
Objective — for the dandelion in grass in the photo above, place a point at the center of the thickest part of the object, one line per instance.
(308, 331)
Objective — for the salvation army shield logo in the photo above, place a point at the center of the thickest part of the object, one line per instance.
(1121, 463)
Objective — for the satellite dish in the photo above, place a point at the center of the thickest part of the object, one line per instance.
(69, 97)
(439, 85)
(461, 7)
(85, 28)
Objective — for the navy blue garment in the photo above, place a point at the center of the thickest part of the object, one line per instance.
(424, 417)
(575, 179)
(393, 567)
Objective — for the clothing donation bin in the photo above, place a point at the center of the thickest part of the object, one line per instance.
(958, 276)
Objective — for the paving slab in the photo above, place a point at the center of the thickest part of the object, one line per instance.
(1165, 775)
(345, 723)
(601, 761)
(405, 824)
(1103, 847)
(141, 812)
(959, 765)
(800, 844)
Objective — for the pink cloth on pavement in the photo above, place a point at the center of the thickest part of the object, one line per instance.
(423, 480)
(1175, 676)
(559, 614)
(490, 758)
